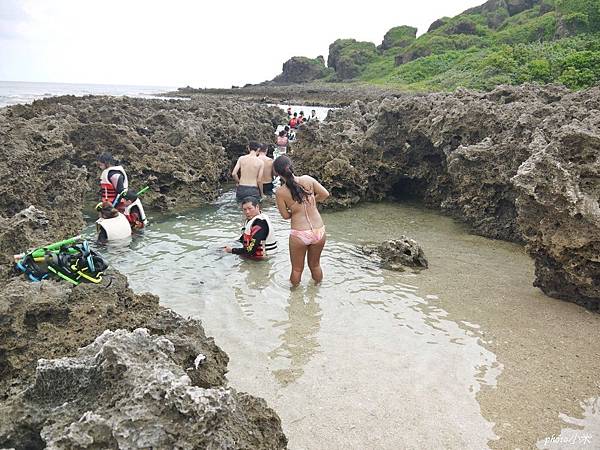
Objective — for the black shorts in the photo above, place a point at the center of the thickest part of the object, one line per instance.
(246, 191)
(268, 188)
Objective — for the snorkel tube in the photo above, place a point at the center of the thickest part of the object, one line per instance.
(121, 194)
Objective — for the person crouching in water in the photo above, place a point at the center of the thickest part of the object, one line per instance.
(258, 239)
(297, 200)
(134, 211)
(112, 225)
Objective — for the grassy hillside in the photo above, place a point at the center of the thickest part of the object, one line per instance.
(501, 41)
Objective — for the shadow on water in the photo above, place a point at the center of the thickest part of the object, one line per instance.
(299, 340)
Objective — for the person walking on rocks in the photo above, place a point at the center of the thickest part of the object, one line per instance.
(113, 179)
(267, 178)
(282, 143)
(250, 169)
(297, 200)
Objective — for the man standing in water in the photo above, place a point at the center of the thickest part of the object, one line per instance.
(250, 167)
(258, 239)
(267, 178)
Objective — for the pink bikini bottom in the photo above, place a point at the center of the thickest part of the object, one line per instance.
(309, 237)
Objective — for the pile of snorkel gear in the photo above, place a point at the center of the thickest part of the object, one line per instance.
(71, 260)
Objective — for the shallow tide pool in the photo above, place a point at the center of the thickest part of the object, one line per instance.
(465, 354)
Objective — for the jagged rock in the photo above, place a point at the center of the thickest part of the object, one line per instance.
(397, 254)
(181, 149)
(126, 390)
(300, 69)
(485, 158)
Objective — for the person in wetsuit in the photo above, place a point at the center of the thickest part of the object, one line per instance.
(113, 179)
(257, 238)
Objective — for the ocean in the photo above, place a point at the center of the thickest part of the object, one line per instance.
(14, 92)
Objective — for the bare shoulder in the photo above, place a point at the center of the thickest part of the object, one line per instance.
(283, 192)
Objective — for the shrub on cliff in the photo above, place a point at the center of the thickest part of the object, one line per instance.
(400, 37)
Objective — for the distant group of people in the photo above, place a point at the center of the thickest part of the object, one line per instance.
(120, 210)
(296, 199)
(296, 119)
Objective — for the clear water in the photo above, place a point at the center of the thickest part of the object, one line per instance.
(19, 92)
(373, 358)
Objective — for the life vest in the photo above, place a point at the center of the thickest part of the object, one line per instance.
(109, 192)
(142, 217)
(115, 228)
(267, 246)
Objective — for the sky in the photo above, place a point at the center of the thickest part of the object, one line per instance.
(216, 43)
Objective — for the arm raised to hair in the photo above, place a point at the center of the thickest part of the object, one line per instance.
(320, 192)
(236, 169)
(281, 206)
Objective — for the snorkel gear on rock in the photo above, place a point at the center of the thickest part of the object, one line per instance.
(68, 260)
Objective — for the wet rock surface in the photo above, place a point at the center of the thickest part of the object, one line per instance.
(397, 254)
(517, 163)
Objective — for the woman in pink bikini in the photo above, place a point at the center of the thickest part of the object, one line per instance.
(297, 200)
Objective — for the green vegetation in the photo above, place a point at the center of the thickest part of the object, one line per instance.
(555, 41)
(349, 57)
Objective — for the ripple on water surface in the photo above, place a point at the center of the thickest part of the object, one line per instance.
(365, 360)
(369, 359)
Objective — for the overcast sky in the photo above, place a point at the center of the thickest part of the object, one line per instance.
(216, 43)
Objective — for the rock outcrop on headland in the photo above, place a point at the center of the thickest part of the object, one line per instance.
(300, 69)
(517, 163)
(158, 382)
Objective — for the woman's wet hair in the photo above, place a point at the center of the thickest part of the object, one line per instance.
(282, 133)
(283, 167)
(108, 159)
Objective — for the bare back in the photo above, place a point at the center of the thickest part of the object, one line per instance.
(267, 168)
(250, 170)
(305, 215)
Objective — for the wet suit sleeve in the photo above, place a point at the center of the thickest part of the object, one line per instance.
(120, 180)
(259, 233)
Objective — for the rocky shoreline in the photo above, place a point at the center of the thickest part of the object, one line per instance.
(159, 382)
(315, 93)
(517, 163)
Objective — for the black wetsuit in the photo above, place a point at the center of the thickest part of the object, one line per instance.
(259, 233)
(120, 180)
